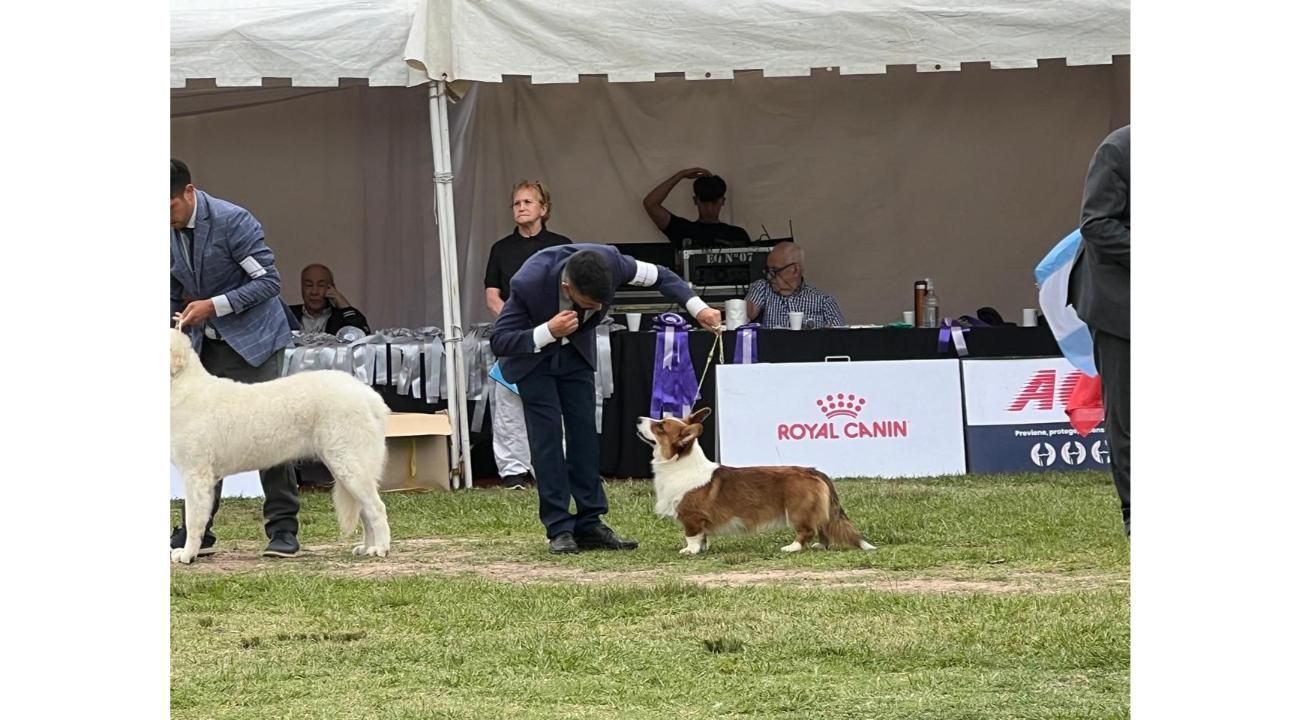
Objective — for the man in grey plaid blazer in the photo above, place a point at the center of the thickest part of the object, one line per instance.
(226, 291)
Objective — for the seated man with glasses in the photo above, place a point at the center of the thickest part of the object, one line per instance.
(783, 291)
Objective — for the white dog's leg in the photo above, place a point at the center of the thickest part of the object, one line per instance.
(367, 531)
(367, 536)
(694, 544)
(375, 516)
(198, 505)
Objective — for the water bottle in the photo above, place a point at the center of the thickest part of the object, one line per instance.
(931, 319)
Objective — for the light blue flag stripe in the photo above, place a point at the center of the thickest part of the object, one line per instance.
(1053, 276)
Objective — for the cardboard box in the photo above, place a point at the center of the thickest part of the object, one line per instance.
(419, 452)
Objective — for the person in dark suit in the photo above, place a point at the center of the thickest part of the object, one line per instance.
(545, 338)
(324, 309)
(225, 292)
(1099, 291)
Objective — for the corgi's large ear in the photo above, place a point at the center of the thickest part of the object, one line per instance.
(689, 436)
(699, 415)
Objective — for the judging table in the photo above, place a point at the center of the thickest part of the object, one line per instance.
(623, 455)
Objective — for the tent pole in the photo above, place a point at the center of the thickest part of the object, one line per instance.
(453, 332)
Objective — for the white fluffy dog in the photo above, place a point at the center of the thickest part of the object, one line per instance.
(220, 427)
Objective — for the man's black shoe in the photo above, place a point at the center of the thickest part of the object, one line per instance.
(563, 544)
(515, 482)
(205, 546)
(602, 537)
(283, 544)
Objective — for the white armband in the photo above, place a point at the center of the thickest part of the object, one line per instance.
(252, 267)
(647, 274)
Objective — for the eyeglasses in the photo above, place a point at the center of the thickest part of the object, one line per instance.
(772, 272)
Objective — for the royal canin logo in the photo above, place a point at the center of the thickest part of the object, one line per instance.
(1045, 391)
(836, 405)
(842, 405)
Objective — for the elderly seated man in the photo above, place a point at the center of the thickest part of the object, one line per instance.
(783, 291)
(324, 309)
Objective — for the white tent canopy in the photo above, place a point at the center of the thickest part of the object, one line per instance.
(313, 43)
(632, 40)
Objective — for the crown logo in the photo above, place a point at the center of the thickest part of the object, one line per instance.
(837, 404)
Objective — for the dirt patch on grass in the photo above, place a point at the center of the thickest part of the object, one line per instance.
(492, 561)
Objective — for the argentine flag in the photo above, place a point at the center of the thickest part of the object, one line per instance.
(1053, 276)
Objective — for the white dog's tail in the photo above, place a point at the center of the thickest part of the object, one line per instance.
(347, 509)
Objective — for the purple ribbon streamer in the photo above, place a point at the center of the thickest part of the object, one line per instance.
(746, 344)
(674, 388)
(946, 332)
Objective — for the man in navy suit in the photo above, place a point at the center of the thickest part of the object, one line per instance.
(545, 338)
(226, 292)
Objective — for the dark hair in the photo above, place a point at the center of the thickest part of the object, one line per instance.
(180, 176)
(710, 188)
(587, 272)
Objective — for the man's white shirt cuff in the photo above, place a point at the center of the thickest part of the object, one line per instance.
(695, 305)
(222, 305)
(542, 337)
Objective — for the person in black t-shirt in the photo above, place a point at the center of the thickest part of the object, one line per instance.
(706, 231)
(531, 204)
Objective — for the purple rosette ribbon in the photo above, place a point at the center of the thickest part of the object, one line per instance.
(673, 392)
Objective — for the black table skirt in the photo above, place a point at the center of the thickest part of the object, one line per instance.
(622, 455)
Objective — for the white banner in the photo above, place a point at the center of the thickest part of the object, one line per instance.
(1018, 392)
(862, 419)
(1016, 421)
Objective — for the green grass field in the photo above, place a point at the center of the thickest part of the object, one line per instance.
(990, 597)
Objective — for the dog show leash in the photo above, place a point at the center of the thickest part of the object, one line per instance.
(717, 345)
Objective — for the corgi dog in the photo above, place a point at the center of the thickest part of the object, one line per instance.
(711, 499)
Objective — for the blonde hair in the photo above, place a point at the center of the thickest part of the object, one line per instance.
(543, 196)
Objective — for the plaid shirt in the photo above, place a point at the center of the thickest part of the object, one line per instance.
(818, 308)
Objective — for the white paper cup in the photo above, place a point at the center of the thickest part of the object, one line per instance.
(796, 321)
(634, 321)
(1029, 317)
(735, 314)
(909, 317)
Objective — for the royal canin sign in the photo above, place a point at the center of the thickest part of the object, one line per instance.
(841, 412)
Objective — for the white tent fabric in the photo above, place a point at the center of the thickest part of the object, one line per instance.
(312, 42)
(632, 40)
